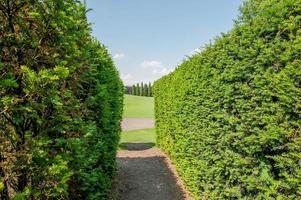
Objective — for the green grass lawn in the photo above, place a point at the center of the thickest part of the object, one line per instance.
(138, 107)
(139, 136)
(146, 136)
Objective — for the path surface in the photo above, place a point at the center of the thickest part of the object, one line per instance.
(137, 123)
(145, 173)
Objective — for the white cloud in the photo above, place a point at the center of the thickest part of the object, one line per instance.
(196, 51)
(118, 56)
(161, 72)
(152, 64)
(157, 68)
(126, 77)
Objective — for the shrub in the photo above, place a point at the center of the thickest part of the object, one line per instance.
(60, 103)
(229, 117)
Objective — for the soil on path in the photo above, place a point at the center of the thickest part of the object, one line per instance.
(145, 173)
(137, 123)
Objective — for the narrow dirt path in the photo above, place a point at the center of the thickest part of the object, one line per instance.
(137, 123)
(145, 173)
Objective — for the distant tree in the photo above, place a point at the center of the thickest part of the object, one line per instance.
(128, 89)
(150, 90)
(145, 93)
(133, 90)
(141, 89)
(138, 89)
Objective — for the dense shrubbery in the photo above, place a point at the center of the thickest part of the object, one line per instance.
(60, 103)
(229, 117)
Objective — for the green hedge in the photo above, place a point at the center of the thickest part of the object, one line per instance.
(60, 103)
(229, 117)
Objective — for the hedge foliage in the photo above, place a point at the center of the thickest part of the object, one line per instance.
(230, 116)
(60, 103)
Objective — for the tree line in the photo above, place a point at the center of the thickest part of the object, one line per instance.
(140, 89)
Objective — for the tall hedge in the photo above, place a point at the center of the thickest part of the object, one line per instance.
(60, 103)
(230, 116)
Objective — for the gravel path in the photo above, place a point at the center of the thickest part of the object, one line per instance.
(145, 173)
(137, 123)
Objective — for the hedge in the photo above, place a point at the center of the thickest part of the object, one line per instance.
(229, 117)
(60, 103)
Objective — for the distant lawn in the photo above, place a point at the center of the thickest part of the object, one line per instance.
(138, 107)
(139, 136)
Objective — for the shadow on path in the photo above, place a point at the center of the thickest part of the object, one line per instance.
(136, 146)
(144, 174)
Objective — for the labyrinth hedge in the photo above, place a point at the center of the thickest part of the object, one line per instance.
(60, 103)
(229, 117)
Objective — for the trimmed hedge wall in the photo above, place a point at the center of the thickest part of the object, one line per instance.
(60, 103)
(230, 116)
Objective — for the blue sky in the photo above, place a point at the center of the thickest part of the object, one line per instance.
(149, 38)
